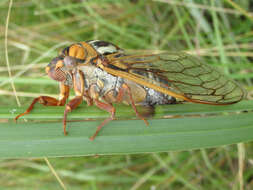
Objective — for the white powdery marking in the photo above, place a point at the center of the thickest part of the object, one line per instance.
(108, 49)
(151, 92)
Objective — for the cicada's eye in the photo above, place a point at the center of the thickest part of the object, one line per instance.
(55, 70)
(57, 74)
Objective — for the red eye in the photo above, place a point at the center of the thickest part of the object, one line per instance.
(57, 74)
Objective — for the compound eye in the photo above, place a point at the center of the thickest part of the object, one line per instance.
(57, 74)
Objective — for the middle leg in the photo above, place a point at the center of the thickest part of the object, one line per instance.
(107, 107)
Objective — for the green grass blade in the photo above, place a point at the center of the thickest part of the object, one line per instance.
(39, 139)
(122, 111)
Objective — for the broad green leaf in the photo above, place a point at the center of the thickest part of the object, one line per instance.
(192, 126)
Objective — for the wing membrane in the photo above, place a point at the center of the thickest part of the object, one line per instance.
(177, 74)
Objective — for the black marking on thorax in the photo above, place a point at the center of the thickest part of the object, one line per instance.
(103, 47)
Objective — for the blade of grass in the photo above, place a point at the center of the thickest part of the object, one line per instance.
(123, 136)
(84, 112)
(216, 25)
(241, 10)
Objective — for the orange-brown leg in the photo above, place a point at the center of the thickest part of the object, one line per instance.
(88, 99)
(44, 100)
(125, 88)
(107, 107)
(69, 107)
(49, 101)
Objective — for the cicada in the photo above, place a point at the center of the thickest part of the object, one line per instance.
(101, 73)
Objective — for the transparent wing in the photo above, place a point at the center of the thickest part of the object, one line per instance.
(177, 74)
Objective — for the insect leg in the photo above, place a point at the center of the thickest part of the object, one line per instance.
(125, 88)
(80, 93)
(69, 107)
(49, 101)
(107, 107)
(79, 87)
(88, 99)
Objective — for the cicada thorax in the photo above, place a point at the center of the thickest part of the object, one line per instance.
(104, 48)
(87, 52)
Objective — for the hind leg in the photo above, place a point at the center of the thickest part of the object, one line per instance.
(125, 89)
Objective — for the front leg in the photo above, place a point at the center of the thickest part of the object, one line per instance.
(49, 101)
(69, 107)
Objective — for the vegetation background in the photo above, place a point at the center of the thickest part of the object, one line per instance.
(220, 31)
